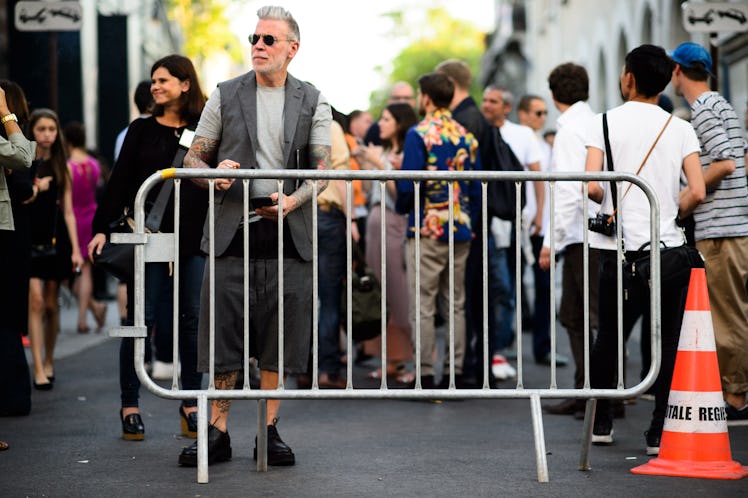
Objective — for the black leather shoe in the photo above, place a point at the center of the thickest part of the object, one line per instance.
(278, 452)
(566, 407)
(189, 423)
(132, 427)
(219, 449)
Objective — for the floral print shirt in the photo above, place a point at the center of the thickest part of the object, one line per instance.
(439, 143)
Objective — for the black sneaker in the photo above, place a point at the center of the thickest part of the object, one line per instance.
(602, 432)
(653, 441)
(736, 416)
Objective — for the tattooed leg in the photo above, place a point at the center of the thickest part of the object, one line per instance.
(269, 381)
(220, 407)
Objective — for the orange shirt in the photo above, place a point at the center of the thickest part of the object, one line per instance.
(359, 199)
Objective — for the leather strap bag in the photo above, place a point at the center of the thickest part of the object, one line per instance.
(119, 259)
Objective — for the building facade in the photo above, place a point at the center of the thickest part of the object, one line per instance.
(536, 35)
(89, 75)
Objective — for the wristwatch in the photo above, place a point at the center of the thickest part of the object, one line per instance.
(9, 117)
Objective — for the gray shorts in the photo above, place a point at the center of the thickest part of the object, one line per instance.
(263, 315)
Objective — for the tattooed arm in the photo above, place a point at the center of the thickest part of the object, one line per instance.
(319, 157)
(203, 152)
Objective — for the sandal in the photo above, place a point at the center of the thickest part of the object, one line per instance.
(100, 315)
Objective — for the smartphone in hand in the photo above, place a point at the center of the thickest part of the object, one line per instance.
(262, 201)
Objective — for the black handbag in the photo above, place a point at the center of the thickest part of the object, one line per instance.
(119, 259)
(40, 251)
(49, 249)
(676, 264)
(366, 301)
(502, 195)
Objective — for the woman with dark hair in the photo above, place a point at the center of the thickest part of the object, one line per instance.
(396, 119)
(85, 172)
(17, 243)
(151, 144)
(55, 253)
(16, 153)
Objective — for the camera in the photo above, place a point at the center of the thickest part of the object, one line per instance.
(602, 223)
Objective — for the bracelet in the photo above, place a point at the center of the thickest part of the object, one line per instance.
(9, 117)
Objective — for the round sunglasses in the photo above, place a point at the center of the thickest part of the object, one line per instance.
(268, 40)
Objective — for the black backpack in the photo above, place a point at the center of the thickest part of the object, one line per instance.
(502, 195)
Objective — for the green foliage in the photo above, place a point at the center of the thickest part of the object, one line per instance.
(205, 27)
(441, 37)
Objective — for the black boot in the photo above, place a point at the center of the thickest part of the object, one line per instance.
(219, 449)
(278, 452)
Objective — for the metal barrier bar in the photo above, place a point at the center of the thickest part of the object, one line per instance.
(139, 238)
(518, 283)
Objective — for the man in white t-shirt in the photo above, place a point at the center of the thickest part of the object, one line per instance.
(569, 85)
(637, 128)
(497, 104)
(532, 112)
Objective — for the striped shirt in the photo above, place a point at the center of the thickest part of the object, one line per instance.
(724, 212)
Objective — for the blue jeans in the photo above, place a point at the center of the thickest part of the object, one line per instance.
(332, 261)
(541, 332)
(159, 311)
(501, 298)
(500, 304)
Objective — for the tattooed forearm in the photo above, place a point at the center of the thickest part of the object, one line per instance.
(319, 157)
(202, 152)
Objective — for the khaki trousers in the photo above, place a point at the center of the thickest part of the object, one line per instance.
(434, 263)
(726, 273)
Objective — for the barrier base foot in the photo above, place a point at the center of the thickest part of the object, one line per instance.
(703, 470)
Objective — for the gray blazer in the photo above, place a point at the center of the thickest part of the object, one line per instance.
(238, 139)
(15, 153)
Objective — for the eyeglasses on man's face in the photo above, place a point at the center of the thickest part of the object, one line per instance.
(541, 113)
(268, 40)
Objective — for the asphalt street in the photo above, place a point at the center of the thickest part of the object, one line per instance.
(70, 445)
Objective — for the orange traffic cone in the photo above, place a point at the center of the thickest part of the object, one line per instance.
(694, 440)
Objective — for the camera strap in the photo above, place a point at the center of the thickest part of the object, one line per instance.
(609, 155)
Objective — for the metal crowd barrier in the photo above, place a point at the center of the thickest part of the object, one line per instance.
(163, 247)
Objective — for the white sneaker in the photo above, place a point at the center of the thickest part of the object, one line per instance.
(501, 369)
(162, 370)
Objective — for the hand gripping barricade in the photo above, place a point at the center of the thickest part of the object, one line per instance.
(694, 440)
(162, 247)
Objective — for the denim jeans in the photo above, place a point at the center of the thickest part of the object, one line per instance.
(541, 332)
(500, 304)
(160, 310)
(332, 261)
(501, 298)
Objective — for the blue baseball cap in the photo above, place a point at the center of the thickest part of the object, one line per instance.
(688, 54)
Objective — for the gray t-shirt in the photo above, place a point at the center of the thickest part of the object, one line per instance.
(270, 136)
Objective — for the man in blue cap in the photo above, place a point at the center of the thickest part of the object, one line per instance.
(721, 219)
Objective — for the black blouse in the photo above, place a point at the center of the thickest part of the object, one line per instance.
(148, 147)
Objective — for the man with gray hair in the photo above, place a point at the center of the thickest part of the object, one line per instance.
(264, 119)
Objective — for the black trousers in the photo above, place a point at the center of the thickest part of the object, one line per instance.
(603, 367)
